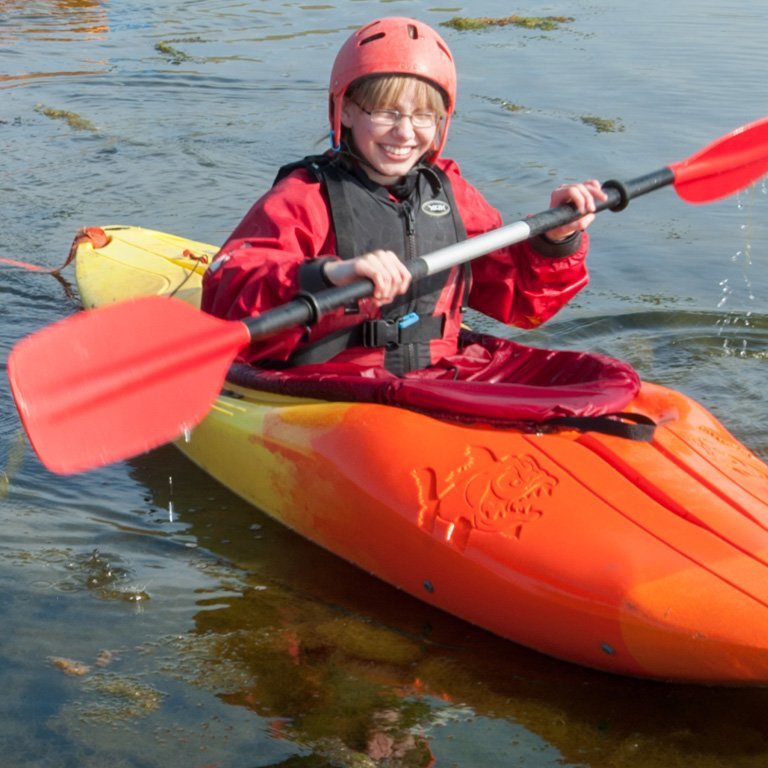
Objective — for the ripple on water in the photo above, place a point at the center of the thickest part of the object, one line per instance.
(257, 647)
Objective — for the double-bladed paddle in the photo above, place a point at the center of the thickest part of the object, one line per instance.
(114, 382)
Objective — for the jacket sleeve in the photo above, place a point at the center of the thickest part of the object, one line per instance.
(523, 284)
(276, 251)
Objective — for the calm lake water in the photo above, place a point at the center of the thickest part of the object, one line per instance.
(150, 618)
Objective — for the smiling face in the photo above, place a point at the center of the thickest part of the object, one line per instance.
(390, 151)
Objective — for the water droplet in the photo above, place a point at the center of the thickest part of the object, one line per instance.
(170, 498)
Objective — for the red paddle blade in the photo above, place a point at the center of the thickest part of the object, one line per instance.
(111, 383)
(726, 166)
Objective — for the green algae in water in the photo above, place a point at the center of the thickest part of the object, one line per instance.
(506, 105)
(16, 451)
(70, 667)
(603, 124)
(544, 23)
(328, 675)
(359, 639)
(174, 55)
(74, 120)
(108, 698)
(118, 698)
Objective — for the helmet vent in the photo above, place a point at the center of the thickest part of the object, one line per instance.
(372, 38)
(413, 33)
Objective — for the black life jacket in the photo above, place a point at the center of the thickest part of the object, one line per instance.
(423, 218)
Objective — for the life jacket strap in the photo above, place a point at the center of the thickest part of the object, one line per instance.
(371, 334)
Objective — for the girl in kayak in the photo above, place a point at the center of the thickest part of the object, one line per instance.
(381, 196)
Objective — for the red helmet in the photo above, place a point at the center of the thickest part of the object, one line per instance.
(397, 46)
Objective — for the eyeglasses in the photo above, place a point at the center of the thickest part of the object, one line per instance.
(392, 117)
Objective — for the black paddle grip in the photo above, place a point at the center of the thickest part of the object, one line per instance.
(619, 194)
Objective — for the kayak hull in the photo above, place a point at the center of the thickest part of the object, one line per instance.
(647, 559)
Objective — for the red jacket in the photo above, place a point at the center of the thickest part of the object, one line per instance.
(260, 267)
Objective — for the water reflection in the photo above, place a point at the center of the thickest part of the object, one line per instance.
(15, 80)
(50, 22)
(310, 661)
(357, 672)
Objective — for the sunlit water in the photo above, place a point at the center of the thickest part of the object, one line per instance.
(149, 617)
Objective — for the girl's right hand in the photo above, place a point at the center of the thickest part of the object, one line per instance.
(389, 275)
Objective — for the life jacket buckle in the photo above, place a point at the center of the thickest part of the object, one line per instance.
(406, 321)
(387, 333)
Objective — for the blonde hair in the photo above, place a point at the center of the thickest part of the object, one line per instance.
(385, 90)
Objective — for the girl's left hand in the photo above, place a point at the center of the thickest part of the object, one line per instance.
(582, 198)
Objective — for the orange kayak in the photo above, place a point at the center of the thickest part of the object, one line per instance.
(643, 558)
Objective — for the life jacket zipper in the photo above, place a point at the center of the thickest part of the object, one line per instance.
(410, 254)
(410, 232)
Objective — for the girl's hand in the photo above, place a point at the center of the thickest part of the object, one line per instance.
(582, 197)
(389, 275)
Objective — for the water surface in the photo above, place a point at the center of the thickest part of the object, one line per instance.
(153, 619)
